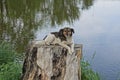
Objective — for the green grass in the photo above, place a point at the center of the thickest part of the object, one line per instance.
(10, 68)
(10, 71)
(7, 54)
(87, 72)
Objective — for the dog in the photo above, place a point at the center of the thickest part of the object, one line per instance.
(63, 38)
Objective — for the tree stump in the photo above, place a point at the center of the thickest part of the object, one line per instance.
(52, 63)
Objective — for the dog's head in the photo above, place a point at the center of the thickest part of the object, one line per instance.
(67, 32)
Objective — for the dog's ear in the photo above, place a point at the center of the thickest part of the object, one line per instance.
(72, 30)
(61, 32)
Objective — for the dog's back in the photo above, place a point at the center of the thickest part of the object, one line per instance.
(60, 36)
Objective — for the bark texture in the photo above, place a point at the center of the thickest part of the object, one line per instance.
(52, 63)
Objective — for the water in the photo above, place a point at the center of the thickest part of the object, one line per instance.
(100, 34)
(98, 30)
(96, 24)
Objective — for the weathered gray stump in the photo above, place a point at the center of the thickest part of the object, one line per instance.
(52, 63)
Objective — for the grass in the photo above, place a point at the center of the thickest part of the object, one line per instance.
(87, 73)
(10, 71)
(10, 68)
(7, 54)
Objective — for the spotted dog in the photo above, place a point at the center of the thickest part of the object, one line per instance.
(63, 38)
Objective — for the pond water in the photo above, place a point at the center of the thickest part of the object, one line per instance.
(98, 29)
(96, 24)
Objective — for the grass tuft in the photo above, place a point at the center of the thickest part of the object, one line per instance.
(87, 72)
(10, 68)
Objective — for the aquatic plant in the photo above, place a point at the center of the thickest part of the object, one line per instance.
(87, 73)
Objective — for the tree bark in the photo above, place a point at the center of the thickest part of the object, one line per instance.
(52, 63)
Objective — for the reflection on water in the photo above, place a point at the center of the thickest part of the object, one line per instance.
(19, 20)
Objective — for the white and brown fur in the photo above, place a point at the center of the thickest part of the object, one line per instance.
(62, 38)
